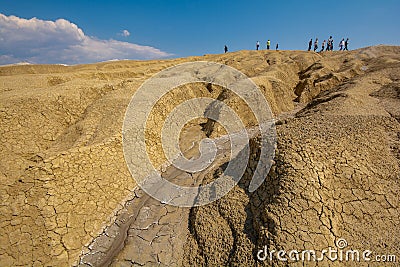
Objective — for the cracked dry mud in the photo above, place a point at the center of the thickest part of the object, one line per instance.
(67, 197)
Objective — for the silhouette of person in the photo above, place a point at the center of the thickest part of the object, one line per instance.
(316, 44)
(268, 44)
(257, 45)
(309, 45)
(277, 47)
(323, 46)
(341, 44)
(330, 43)
(226, 49)
(346, 43)
(328, 46)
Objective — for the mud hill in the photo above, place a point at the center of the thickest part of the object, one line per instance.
(67, 197)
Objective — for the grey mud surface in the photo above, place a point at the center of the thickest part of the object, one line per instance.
(148, 232)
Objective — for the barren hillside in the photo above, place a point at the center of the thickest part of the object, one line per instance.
(67, 197)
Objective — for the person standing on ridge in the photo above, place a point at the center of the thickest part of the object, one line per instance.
(323, 46)
(346, 43)
(309, 45)
(341, 45)
(316, 44)
(257, 45)
(268, 44)
(330, 42)
(277, 47)
(226, 49)
(328, 46)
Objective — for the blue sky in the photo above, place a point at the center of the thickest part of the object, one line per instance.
(185, 28)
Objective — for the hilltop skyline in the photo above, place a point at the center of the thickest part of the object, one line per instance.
(80, 32)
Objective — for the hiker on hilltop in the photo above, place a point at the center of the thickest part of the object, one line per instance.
(268, 44)
(346, 43)
(277, 47)
(329, 47)
(341, 45)
(309, 45)
(316, 45)
(226, 49)
(257, 45)
(323, 46)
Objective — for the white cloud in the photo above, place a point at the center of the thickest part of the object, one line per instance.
(61, 41)
(126, 33)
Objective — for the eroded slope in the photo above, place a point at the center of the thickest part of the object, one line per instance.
(64, 179)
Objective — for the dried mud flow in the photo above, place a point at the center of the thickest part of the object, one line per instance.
(68, 199)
